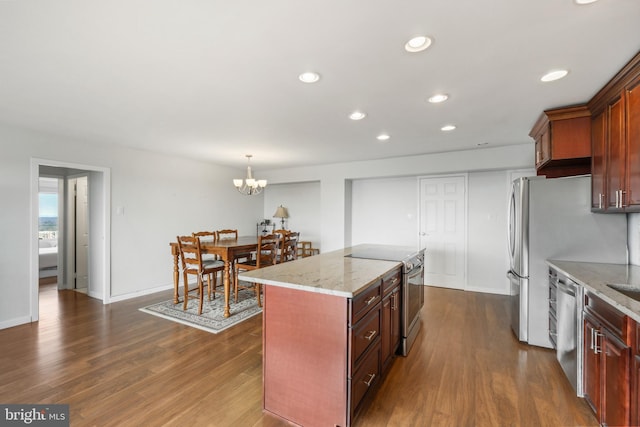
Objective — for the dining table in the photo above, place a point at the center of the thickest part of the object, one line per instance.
(227, 250)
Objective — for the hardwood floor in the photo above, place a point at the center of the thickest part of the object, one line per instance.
(116, 366)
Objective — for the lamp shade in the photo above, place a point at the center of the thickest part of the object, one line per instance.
(281, 212)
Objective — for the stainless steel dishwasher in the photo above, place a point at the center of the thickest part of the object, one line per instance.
(569, 300)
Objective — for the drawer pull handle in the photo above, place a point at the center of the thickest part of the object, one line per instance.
(371, 377)
(370, 336)
(372, 299)
(597, 347)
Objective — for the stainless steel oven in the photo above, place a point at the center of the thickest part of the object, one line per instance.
(412, 284)
(412, 298)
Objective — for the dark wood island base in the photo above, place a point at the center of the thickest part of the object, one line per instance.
(325, 355)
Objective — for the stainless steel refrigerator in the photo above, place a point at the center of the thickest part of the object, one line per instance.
(552, 219)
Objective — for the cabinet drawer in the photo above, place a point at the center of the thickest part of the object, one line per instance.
(390, 281)
(364, 302)
(365, 377)
(605, 313)
(365, 334)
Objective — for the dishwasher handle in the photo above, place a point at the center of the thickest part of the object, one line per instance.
(567, 288)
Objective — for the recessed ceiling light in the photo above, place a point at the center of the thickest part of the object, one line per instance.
(418, 44)
(585, 1)
(383, 137)
(440, 97)
(357, 115)
(447, 128)
(554, 75)
(309, 77)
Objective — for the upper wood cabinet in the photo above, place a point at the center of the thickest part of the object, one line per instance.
(616, 142)
(563, 142)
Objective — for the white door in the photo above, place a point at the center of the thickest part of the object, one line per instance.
(82, 233)
(443, 230)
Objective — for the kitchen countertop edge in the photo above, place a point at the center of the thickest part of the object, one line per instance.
(594, 277)
(330, 273)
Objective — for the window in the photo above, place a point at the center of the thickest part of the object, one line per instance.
(48, 209)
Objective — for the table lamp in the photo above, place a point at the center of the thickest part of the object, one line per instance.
(281, 212)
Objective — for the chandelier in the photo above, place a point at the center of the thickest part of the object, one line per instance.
(249, 185)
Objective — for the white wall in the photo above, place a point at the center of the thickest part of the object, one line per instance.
(487, 265)
(161, 196)
(351, 195)
(302, 201)
(327, 204)
(385, 211)
(335, 179)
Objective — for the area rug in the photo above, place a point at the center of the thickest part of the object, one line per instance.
(212, 318)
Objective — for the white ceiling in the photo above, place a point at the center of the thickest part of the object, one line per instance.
(216, 80)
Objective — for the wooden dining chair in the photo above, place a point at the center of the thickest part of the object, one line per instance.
(206, 236)
(194, 264)
(282, 233)
(232, 234)
(289, 248)
(226, 234)
(266, 255)
(209, 236)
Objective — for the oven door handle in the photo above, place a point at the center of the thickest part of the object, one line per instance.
(416, 271)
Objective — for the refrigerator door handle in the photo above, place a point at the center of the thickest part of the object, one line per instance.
(514, 276)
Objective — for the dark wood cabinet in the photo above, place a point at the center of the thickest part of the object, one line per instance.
(617, 357)
(632, 99)
(323, 354)
(615, 153)
(391, 328)
(598, 169)
(563, 142)
(635, 375)
(615, 142)
(635, 391)
(607, 362)
(591, 364)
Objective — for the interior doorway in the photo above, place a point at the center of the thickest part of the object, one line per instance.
(78, 232)
(93, 212)
(50, 229)
(443, 231)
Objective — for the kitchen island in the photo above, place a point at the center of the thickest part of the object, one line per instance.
(325, 335)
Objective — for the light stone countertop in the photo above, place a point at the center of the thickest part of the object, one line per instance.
(330, 273)
(595, 277)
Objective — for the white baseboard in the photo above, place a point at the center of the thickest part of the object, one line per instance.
(140, 293)
(15, 322)
(486, 290)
